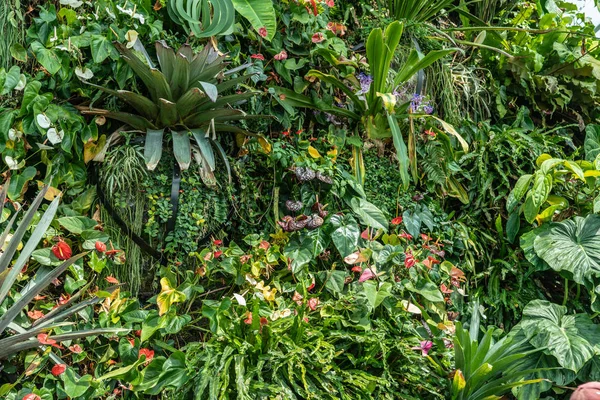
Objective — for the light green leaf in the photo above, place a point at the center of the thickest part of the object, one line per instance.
(260, 13)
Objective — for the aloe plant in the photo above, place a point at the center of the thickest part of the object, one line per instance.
(11, 265)
(203, 18)
(186, 100)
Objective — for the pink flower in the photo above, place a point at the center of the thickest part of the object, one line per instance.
(76, 348)
(264, 244)
(365, 234)
(258, 57)
(397, 221)
(329, 3)
(366, 275)
(263, 32)
(425, 346)
(146, 352)
(282, 55)
(218, 254)
(217, 242)
(59, 369)
(318, 37)
(31, 396)
(313, 303)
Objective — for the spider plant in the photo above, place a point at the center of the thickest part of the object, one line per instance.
(415, 10)
(185, 101)
(25, 337)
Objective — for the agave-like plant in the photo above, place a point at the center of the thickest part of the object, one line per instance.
(185, 100)
(25, 337)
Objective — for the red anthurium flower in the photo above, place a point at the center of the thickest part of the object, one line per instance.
(264, 245)
(112, 279)
(218, 253)
(397, 221)
(311, 286)
(409, 261)
(217, 242)
(314, 4)
(285, 133)
(35, 314)
(258, 57)
(59, 369)
(76, 348)
(263, 32)
(366, 234)
(263, 321)
(39, 297)
(313, 303)
(282, 55)
(357, 269)
(62, 250)
(444, 289)
(406, 236)
(425, 237)
(146, 352)
(31, 396)
(248, 319)
(318, 37)
(100, 247)
(64, 299)
(44, 339)
(329, 3)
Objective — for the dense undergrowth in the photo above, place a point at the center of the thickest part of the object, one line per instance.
(303, 199)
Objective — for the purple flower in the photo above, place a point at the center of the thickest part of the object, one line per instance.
(332, 119)
(415, 102)
(365, 82)
(428, 109)
(425, 346)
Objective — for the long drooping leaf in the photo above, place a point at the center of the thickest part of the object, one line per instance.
(415, 63)
(223, 115)
(166, 59)
(224, 156)
(153, 147)
(204, 146)
(182, 149)
(34, 239)
(401, 150)
(190, 102)
(18, 306)
(142, 104)
(332, 80)
(168, 115)
(135, 121)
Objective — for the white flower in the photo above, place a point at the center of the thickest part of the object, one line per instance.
(71, 3)
(240, 299)
(131, 36)
(55, 137)
(11, 162)
(84, 73)
(22, 82)
(110, 14)
(14, 134)
(140, 17)
(43, 121)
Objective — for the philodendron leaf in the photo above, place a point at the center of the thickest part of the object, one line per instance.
(572, 245)
(592, 142)
(570, 338)
(168, 296)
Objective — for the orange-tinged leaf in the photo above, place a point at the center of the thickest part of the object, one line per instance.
(92, 149)
(168, 296)
(264, 144)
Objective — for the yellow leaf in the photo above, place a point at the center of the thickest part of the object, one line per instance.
(91, 149)
(542, 158)
(333, 153)
(266, 146)
(51, 193)
(314, 153)
(168, 296)
(450, 129)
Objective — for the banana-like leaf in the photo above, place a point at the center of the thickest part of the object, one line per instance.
(7, 256)
(153, 147)
(18, 306)
(182, 149)
(260, 13)
(206, 150)
(381, 47)
(168, 115)
(34, 240)
(135, 121)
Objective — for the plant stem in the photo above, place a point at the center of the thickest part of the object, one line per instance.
(564, 303)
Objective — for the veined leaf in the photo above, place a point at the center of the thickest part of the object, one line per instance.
(153, 147)
(260, 13)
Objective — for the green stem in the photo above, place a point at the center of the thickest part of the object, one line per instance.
(564, 303)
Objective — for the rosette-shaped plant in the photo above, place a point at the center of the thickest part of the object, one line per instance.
(185, 101)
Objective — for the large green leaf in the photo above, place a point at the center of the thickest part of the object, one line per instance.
(46, 57)
(569, 338)
(369, 214)
(260, 13)
(572, 245)
(346, 235)
(592, 142)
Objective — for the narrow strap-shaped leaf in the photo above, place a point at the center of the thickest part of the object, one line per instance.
(32, 343)
(211, 90)
(182, 149)
(225, 159)
(222, 115)
(181, 74)
(18, 306)
(8, 254)
(204, 146)
(234, 99)
(8, 227)
(133, 120)
(332, 80)
(142, 104)
(3, 196)
(401, 150)
(166, 59)
(191, 101)
(153, 147)
(34, 239)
